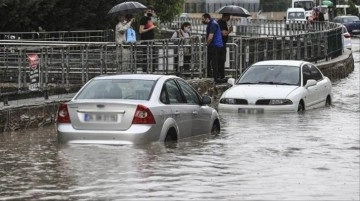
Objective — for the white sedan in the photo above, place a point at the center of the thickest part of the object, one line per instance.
(346, 39)
(135, 109)
(277, 85)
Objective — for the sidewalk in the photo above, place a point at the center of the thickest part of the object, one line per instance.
(36, 101)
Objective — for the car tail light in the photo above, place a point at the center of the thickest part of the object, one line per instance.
(347, 35)
(143, 116)
(63, 114)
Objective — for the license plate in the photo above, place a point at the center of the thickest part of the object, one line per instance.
(100, 117)
(251, 110)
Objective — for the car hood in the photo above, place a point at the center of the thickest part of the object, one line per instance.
(259, 91)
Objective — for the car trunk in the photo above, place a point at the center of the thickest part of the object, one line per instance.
(105, 115)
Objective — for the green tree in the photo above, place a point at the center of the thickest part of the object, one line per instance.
(70, 15)
(275, 5)
(166, 10)
(352, 9)
(18, 15)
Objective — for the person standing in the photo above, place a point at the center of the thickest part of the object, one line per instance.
(147, 28)
(147, 32)
(184, 33)
(225, 31)
(122, 26)
(214, 45)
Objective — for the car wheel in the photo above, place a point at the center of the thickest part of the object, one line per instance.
(215, 130)
(328, 102)
(301, 107)
(171, 135)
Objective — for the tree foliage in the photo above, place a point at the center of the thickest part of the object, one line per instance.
(352, 9)
(71, 15)
(274, 6)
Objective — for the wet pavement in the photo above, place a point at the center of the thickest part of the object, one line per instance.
(307, 156)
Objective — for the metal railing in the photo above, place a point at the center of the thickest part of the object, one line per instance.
(69, 61)
(77, 36)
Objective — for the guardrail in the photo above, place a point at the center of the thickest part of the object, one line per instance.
(70, 62)
(77, 36)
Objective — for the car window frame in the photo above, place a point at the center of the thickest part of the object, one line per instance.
(318, 75)
(305, 67)
(167, 91)
(198, 97)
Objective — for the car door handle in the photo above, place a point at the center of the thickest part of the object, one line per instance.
(195, 113)
(176, 113)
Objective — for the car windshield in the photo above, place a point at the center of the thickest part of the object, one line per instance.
(296, 15)
(135, 89)
(271, 74)
(350, 19)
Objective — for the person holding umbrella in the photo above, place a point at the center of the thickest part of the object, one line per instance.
(225, 31)
(122, 26)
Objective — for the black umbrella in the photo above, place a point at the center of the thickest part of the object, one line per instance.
(126, 8)
(234, 10)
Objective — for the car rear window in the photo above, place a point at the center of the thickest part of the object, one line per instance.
(134, 89)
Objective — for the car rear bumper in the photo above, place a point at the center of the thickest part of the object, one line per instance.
(136, 134)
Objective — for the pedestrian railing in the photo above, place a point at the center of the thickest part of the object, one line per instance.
(77, 36)
(69, 60)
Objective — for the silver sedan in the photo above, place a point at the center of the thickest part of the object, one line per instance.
(135, 109)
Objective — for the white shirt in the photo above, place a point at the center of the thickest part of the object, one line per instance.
(120, 32)
(183, 34)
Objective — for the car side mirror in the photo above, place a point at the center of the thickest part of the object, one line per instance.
(310, 83)
(206, 100)
(231, 81)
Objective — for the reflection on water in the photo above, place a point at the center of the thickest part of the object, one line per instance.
(309, 156)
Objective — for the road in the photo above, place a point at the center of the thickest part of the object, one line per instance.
(309, 156)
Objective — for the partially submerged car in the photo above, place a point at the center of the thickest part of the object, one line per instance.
(135, 109)
(279, 86)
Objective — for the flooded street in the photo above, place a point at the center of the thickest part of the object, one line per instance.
(307, 156)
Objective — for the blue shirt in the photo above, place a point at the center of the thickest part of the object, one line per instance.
(214, 28)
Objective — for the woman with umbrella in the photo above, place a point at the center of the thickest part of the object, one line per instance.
(124, 24)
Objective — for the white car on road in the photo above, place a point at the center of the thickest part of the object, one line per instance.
(277, 85)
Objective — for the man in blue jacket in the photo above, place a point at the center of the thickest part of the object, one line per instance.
(214, 45)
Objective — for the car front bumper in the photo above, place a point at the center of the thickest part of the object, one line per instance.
(257, 109)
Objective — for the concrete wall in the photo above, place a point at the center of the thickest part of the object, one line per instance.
(42, 114)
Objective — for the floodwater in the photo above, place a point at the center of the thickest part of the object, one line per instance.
(309, 156)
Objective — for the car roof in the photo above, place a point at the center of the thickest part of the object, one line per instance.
(295, 10)
(134, 76)
(346, 16)
(281, 62)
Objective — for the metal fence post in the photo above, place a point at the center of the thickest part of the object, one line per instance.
(63, 66)
(19, 68)
(67, 79)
